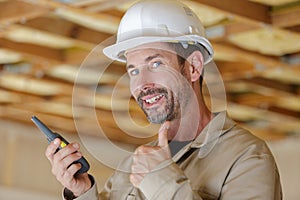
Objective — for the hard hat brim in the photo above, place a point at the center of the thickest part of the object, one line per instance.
(117, 51)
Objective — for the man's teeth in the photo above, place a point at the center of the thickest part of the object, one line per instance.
(154, 99)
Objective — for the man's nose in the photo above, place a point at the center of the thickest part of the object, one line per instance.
(143, 80)
(147, 86)
(141, 85)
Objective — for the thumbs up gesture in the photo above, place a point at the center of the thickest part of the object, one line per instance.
(146, 158)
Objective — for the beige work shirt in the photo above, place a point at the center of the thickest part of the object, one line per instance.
(223, 162)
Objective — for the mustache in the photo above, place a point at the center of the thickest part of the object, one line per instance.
(151, 91)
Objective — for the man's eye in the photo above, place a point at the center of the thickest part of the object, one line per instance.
(156, 64)
(134, 72)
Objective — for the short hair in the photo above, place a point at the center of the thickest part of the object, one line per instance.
(184, 50)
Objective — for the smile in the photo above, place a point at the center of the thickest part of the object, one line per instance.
(154, 99)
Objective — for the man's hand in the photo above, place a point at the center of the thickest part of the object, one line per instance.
(64, 171)
(146, 158)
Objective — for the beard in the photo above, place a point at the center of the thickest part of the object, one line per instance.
(168, 111)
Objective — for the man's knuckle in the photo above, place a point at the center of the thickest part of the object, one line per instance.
(55, 172)
(68, 174)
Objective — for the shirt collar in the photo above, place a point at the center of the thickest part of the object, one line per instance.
(209, 136)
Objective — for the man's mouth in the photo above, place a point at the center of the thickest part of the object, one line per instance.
(154, 99)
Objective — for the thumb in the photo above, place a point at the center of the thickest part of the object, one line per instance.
(163, 134)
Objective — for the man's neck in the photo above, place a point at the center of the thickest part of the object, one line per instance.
(189, 128)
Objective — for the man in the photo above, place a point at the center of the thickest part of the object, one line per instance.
(199, 154)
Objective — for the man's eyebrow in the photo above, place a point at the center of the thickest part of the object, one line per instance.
(130, 67)
(152, 57)
(148, 59)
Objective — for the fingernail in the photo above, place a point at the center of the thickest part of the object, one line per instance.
(56, 141)
(75, 145)
(167, 126)
(78, 154)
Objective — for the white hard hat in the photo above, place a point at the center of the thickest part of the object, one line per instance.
(158, 21)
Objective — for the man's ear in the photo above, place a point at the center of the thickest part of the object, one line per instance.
(195, 63)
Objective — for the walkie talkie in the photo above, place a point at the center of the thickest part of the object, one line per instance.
(52, 135)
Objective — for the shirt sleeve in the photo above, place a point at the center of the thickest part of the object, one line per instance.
(167, 182)
(253, 177)
(91, 194)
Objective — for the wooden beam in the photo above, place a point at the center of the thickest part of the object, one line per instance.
(248, 113)
(37, 64)
(87, 125)
(97, 21)
(31, 85)
(114, 12)
(84, 3)
(239, 26)
(47, 52)
(19, 11)
(287, 18)
(9, 97)
(60, 26)
(243, 8)
(282, 109)
(69, 73)
(264, 97)
(48, 107)
(24, 115)
(294, 28)
(272, 83)
(241, 86)
(259, 61)
(229, 70)
(106, 5)
(22, 40)
(8, 56)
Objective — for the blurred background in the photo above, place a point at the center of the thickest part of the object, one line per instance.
(52, 67)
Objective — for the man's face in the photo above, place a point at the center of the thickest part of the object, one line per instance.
(156, 83)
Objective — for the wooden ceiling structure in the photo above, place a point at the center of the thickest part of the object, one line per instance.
(44, 44)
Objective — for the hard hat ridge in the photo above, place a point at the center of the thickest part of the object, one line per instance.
(151, 21)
